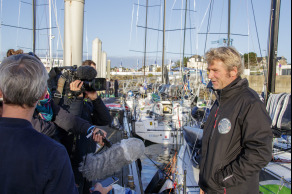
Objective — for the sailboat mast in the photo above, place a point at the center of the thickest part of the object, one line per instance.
(273, 45)
(229, 21)
(163, 47)
(146, 25)
(33, 24)
(184, 37)
(50, 35)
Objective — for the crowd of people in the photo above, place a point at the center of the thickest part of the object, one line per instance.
(42, 142)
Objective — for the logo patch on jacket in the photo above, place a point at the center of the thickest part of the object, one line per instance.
(224, 126)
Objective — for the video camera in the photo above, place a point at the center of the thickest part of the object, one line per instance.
(86, 74)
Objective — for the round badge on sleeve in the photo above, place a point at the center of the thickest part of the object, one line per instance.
(224, 126)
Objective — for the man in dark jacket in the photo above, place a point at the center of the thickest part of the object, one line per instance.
(30, 161)
(116, 88)
(89, 106)
(237, 140)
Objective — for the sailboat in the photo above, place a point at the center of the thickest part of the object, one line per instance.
(161, 114)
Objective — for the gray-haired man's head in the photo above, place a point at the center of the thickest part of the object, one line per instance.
(23, 80)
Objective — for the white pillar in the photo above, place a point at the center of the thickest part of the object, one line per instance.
(73, 32)
(97, 54)
(103, 64)
(108, 69)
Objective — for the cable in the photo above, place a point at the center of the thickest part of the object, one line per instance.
(256, 28)
(209, 23)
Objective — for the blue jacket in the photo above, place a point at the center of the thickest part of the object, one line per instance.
(32, 162)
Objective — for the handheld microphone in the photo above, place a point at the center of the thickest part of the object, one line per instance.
(111, 161)
(86, 73)
(105, 140)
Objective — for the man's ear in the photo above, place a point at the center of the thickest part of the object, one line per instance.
(233, 73)
(44, 95)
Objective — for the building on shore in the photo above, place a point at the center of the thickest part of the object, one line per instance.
(197, 62)
(56, 62)
(283, 68)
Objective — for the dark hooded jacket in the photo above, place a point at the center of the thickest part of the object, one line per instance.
(62, 119)
(79, 146)
(237, 141)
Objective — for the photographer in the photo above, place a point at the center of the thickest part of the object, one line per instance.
(48, 117)
(86, 104)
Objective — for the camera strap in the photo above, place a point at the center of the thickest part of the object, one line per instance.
(59, 92)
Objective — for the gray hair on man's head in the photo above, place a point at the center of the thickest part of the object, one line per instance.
(228, 55)
(23, 80)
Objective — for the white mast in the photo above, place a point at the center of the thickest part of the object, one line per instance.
(73, 35)
(50, 35)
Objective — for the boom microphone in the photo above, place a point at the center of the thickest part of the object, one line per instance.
(86, 73)
(101, 166)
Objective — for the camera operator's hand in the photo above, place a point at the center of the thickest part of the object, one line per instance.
(76, 86)
(102, 190)
(97, 136)
(92, 95)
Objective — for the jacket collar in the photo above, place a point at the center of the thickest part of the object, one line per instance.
(233, 88)
(14, 122)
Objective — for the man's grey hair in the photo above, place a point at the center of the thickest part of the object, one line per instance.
(23, 80)
(228, 55)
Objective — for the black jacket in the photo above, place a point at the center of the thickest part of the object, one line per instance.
(96, 113)
(237, 141)
(61, 119)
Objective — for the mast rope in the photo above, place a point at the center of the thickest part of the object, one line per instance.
(57, 23)
(221, 20)
(209, 23)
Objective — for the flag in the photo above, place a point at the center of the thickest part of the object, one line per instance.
(203, 80)
(145, 85)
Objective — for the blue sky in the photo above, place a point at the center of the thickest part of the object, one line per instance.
(115, 23)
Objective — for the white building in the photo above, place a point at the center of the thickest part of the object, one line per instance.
(153, 68)
(121, 68)
(197, 63)
(147, 69)
(283, 69)
(56, 63)
(97, 55)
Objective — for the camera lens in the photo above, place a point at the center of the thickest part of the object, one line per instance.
(97, 84)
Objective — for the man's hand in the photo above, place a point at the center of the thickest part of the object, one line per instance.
(76, 87)
(96, 136)
(102, 190)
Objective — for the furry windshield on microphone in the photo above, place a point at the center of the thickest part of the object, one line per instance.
(86, 73)
(101, 166)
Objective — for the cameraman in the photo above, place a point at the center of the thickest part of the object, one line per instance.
(89, 106)
(48, 117)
